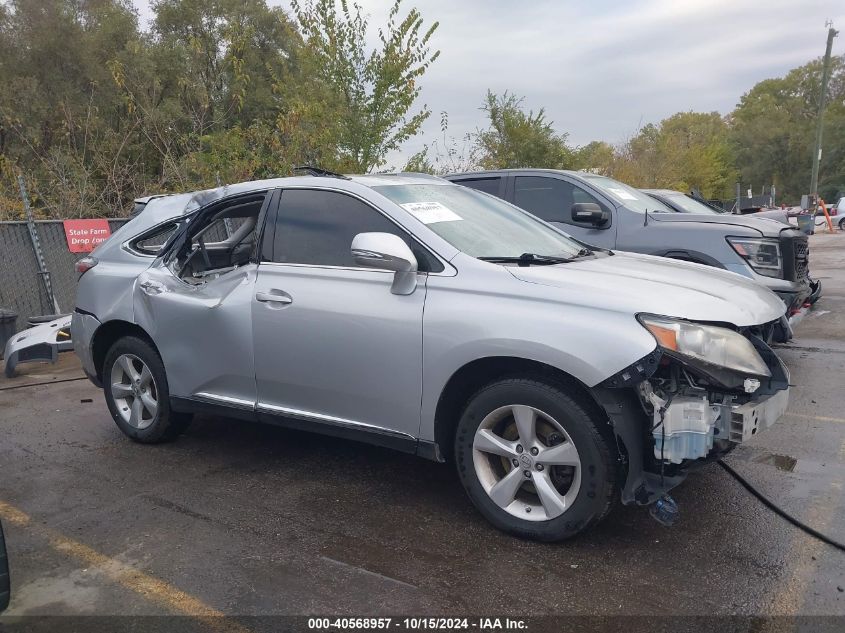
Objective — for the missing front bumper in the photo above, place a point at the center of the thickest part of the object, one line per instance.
(749, 419)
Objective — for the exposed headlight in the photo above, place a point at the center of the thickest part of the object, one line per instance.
(708, 343)
(763, 255)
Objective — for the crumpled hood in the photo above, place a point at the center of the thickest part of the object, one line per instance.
(637, 283)
(768, 227)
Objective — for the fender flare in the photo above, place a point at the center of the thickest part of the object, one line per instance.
(696, 257)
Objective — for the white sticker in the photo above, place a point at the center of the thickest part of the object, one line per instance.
(622, 194)
(431, 212)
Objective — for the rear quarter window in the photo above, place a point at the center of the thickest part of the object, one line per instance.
(150, 242)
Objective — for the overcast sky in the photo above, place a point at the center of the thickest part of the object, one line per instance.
(603, 68)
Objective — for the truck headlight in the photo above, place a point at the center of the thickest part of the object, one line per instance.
(763, 255)
(706, 343)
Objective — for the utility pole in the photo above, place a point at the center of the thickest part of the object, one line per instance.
(817, 150)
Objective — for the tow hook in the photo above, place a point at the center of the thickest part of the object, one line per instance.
(665, 511)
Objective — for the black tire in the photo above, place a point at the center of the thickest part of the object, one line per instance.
(5, 583)
(842, 224)
(167, 424)
(598, 489)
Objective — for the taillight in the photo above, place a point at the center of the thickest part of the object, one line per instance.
(85, 264)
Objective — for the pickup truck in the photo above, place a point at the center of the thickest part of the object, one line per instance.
(605, 213)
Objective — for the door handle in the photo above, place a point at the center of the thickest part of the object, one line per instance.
(272, 297)
(151, 287)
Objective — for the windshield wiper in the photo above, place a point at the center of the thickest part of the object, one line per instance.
(528, 259)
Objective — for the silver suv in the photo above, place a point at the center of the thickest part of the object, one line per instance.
(412, 313)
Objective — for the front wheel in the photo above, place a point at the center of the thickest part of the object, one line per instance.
(533, 460)
(135, 386)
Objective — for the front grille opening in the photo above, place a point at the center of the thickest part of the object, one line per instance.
(802, 259)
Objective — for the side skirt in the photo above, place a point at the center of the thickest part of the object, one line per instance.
(368, 435)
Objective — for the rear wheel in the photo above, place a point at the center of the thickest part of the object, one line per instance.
(136, 391)
(533, 461)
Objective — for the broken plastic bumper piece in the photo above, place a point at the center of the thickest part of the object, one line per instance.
(41, 343)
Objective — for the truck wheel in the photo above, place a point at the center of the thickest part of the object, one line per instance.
(135, 386)
(533, 461)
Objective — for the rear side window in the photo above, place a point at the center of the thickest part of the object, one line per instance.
(487, 185)
(317, 227)
(550, 199)
(150, 243)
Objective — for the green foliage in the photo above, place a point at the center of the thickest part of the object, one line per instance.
(515, 138)
(227, 55)
(445, 154)
(597, 157)
(420, 163)
(95, 112)
(689, 150)
(773, 131)
(373, 91)
(60, 112)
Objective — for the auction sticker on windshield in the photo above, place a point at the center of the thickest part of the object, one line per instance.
(431, 212)
(622, 193)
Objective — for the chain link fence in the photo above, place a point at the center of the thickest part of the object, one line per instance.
(21, 285)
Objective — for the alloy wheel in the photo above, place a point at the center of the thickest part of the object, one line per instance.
(134, 391)
(526, 462)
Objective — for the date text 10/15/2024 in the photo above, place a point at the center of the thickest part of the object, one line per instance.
(417, 624)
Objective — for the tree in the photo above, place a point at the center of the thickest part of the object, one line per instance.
(772, 131)
(60, 113)
(688, 150)
(372, 92)
(515, 138)
(228, 55)
(206, 98)
(597, 157)
(446, 154)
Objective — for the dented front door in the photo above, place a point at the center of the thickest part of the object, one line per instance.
(203, 332)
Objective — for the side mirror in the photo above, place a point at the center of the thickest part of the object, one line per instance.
(589, 213)
(387, 252)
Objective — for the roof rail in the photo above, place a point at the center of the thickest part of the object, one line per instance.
(390, 172)
(319, 171)
(419, 174)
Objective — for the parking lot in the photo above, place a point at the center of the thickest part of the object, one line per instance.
(242, 519)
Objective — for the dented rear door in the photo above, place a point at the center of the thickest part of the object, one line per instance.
(203, 332)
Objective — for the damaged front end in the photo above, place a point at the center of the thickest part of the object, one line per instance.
(705, 389)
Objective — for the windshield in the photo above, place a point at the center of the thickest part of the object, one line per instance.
(686, 204)
(479, 224)
(631, 198)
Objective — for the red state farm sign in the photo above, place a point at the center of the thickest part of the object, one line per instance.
(84, 235)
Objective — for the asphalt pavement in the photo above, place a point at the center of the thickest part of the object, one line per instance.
(243, 519)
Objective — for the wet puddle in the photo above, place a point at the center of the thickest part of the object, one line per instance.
(783, 462)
